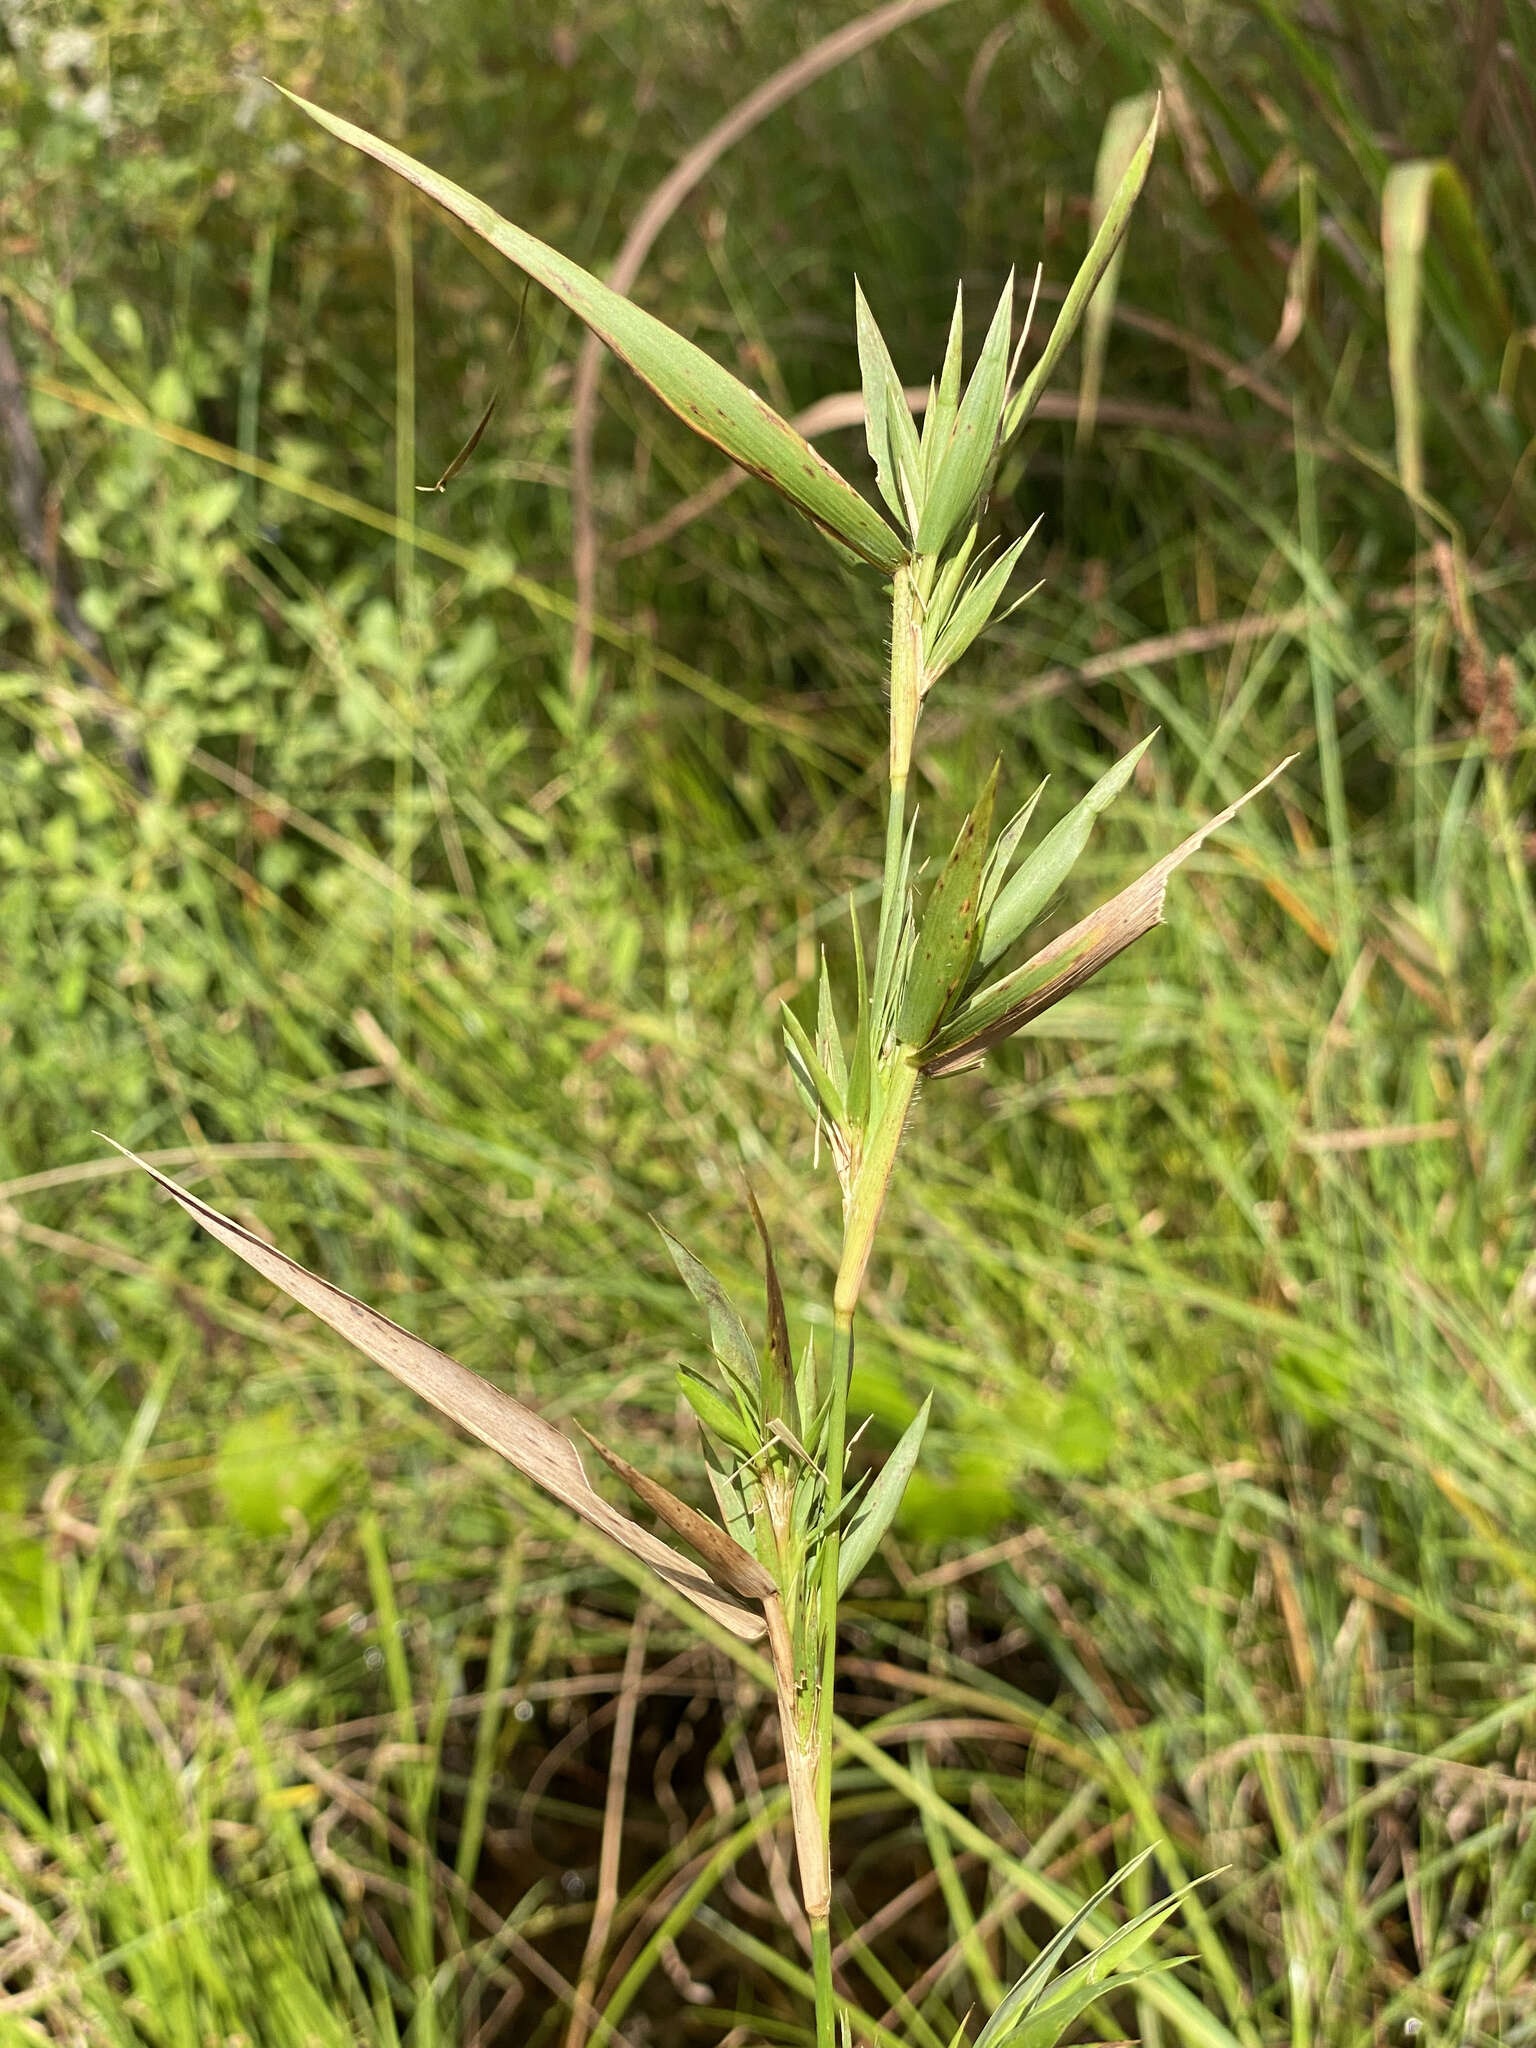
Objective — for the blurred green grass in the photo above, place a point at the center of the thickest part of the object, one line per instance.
(1225, 1277)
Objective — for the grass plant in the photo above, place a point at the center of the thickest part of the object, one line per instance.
(1219, 1539)
(932, 997)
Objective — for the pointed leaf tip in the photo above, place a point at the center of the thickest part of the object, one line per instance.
(1101, 250)
(779, 1380)
(703, 394)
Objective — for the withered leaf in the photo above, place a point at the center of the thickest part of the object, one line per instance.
(729, 1561)
(533, 1446)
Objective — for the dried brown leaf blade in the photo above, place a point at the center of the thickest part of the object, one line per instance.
(531, 1445)
(1073, 958)
(728, 1561)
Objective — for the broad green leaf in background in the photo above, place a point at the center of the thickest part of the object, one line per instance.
(1101, 250)
(529, 1443)
(1415, 196)
(1129, 120)
(269, 1463)
(699, 390)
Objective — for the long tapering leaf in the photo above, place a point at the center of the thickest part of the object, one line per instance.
(879, 1506)
(728, 1496)
(866, 1032)
(996, 1013)
(779, 1379)
(829, 1039)
(1027, 892)
(939, 420)
(1100, 252)
(888, 426)
(963, 465)
(1036, 1979)
(1000, 859)
(1045, 2026)
(727, 1332)
(973, 609)
(1123, 130)
(699, 390)
(531, 1445)
(893, 916)
(821, 1094)
(719, 1416)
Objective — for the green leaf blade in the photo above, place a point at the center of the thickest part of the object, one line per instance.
(720, 1417)
(727, 1332)
(888, 426)
(703, 394)
(1027, 892)
(950, 927)
(1082, 288)
(878, 1509)
(1127, 123)
(1069, 961)
(964, 463)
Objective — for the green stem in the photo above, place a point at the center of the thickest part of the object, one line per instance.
(837, 1437)
(861, 1216)
(826, 1997)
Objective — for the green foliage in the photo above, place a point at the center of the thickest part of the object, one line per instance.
(1217, 1274)
(269, 1468)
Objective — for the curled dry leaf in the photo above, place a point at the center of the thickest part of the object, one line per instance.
(533, 1446)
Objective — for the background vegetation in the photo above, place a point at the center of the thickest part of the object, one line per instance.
(315, 887)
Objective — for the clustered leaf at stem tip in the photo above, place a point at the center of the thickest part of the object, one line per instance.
(793, 1535)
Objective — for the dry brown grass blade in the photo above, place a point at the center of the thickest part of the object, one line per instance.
(728, 1561)
(668, 196)
(1079, 954)
(530, 1444)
